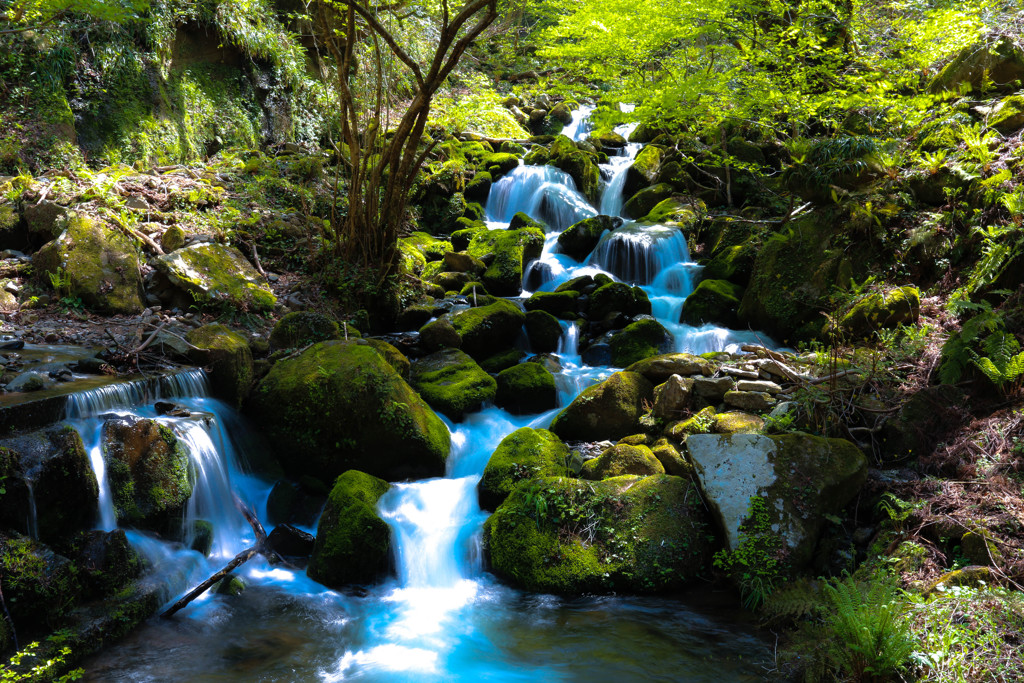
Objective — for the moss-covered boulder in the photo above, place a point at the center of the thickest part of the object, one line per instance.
(565, 155)
(993, 61)
(882, 311)
(302, 328)
(40, 587)
(523, 455)
(64, 489)
(148, 470)
(561, 304)
(644, 201)
(713, 301)
(429, 247)
(503, 360)
(579, 239)
(216, 275)
(393, 356)
(440, 334)
(106, 561)
(738, 422)
(353, 544)
(452, 383)
(1008, 115)
(507, 252)
(543, 330)
(172, 239)
(609, 410)
(96, 264)
(658, 369)
(622, 459)
(486, 330)
(651, 535)
(672, 211)
(618, 297)
(228, 360)
(773, 493)
(526, 388)
(640, 340)
(733, 263)
(338, 406)
(643, 171)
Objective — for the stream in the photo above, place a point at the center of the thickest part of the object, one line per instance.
(442, 617)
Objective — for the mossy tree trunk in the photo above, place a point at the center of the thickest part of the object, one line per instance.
(383, 144)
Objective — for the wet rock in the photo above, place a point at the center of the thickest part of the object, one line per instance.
(618, 297)
(440, 334)
(40, 587)
(561, 304)
(289, 541)
(338, 405)
(641, 203)
(353, 544)
(488, 329)
(106, 561)
(228, 358)
(543, 330)
(609, 410)
(778, 487)
(638, 341)
(713, 301)
(292, 503)
(522, 456)
(452, 383)
(526, 388)
(28, 381)
(581, 238)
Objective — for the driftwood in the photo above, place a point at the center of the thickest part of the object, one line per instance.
(470, 136)
(261, 548)
(135, 234)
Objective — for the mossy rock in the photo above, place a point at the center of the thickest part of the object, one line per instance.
(302, 328)
(101, 266)
(40, 587)
(452, 383)
(560, 304)
(776, 491)
(652, 536)
(658, 369)
(393, 356)
(609, 410)
(353, 544)
(430, 247)
(579, 239)
(479, 188)
(882, 311)
(340, 405)
(1008, 115)
(13, 233)
(644, 201)
(732, 263)
(440, 334)
(523, 455)
(640, 340)
(503, 360)
(499, 164)
(622, 459)
(216, 275)
(618, 297)
(580, 166)
(703, 422)
(523, 220)
(106, 562)
(738, 422)
(65, 490)
(172, 239)
(712, 301)
(543, 330)
(671, 211)
(488, 329)
(16, 500)
(998, 62)
(149, 473)
(526, 388)
(643, 171)
(228, 358)
(512, 250)
(671, 459)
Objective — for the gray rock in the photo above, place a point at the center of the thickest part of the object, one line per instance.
(763, 387)
(28, 381)
(672, 398)
(712, 388)
(750, 401)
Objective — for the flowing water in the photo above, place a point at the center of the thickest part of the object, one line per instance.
(442, 617)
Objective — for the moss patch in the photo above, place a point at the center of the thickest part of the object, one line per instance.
(216, 275)
(523, 455)
(452, 383)
(526, 388)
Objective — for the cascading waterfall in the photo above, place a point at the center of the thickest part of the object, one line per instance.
(444, 618)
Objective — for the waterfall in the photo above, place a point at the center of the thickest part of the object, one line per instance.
(544, 193)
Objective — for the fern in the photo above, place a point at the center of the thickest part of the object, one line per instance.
(958, 352)
(1004, 364)
(870, 637)
(798, 599)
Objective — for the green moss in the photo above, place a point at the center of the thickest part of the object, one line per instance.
(511, 251)
(353, 544)
(301, 328)
(228, 358)
(618, 297)
(640, 340)
(670, 211)
(609, 410)
(622, 459)
(430, 247)
(561, 304)
(526, 388)
(393, 356)
(40, 587)
(502, 360)
(523, 455)
(488, 329)
(216, 275)
(713, 301)
(701, 423)
(737, 422)
(623, 534)
(644, 201)
(340, 405)
(101, 266)
(879, 311)
(1009, 115)
(581, 238)
(499, 164)
(543, 330)
(452, 383)
(580, 165)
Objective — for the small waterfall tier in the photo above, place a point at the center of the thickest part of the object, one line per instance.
(544, 193)
(638, 253)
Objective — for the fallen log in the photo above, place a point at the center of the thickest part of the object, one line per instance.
(261, 548)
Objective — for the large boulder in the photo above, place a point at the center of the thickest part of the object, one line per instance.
(776, 490)
(713, 301)
(609, 410)
(637, 341)
(149, 473)
(526, 388)
(452, 383)
(40, 587)
(630, 534)
(561, 304)
(523, 455)
(543, 330)
(1008, 115)
(338, 406)
(882, 311)
(644, 201)
(617, 297)
(643, 171)
(995, 60)
(216, 275)
(579, 239)
(506, 253)
(565, 155)
(98, 265)
(301, 328)
(485, 330)
(658, 369)
(622, 459)
(353, 544)
(227, 357)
